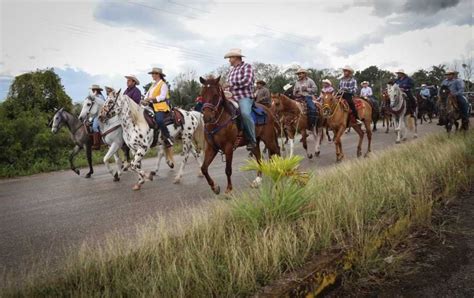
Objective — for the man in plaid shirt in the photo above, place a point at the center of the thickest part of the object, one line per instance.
(240, 81)
(348, 85)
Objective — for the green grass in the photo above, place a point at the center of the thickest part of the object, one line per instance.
(233, 248)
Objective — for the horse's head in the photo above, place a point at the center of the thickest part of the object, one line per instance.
(57, 121)
(395, 94)
(90, 107)
(329, 100)
(110, 107)
(277, 101)
(444, 92)
(212, 97)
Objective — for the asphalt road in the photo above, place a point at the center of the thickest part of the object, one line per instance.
(43, 214)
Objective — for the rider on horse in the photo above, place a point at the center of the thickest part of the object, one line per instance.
(240, 81)
(132, 91)
(366, 90)
(348, 87)
(159, 95)
(97, 92)
(305, 88)
(262, 94)
(406, 84)
(456, 87)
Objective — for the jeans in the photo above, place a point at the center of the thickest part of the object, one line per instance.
(311, 109)
(463, 106)
(411, 103)
(95, 124)
(245, 106)
(160, 121)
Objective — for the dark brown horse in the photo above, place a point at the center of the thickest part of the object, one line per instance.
(385, 111)
(222, 133)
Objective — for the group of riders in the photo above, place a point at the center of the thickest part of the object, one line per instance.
(240, 84)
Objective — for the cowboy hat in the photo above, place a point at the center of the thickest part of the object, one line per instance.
(364, 82)
(327, 81)
(234, 53)
(96, 87)
(261, 82)
(301, 70)
(157, 70)
(423, 85)
(133, 78)
(107, 88)
(228, 94)
(347, 67)
(400, 71)
(287, 86)
(451, 71)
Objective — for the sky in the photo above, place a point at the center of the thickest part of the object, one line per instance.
(98, 42)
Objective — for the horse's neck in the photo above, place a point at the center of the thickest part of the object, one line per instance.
(72, 122)
(290, 105)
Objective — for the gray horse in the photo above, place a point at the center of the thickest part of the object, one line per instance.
(79, 136)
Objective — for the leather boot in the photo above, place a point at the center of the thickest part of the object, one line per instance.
(96, 141)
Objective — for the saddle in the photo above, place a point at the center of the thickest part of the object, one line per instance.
(174, 117)
(359, 105)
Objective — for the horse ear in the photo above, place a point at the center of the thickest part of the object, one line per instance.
(61, 109)
(118, 93)
(218, 79)
(202, 80)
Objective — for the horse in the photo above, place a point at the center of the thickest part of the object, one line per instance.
(387, 118)
(449, 109)
(222, 132)
(294, 119)
(375, 111)
(399, 109)
(425, 108)
(79, 136)
(337, 116)
(111, 132)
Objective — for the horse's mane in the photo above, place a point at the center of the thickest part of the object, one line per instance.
(135, 111)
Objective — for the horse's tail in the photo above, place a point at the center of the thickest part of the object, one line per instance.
(198, 136)
(411, 122)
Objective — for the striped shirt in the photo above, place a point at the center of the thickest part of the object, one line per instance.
(241, 81)
(348, 85)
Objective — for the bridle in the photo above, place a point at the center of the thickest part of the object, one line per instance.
(213, 107)
(400, 102)
(332, 108)
(109, 109)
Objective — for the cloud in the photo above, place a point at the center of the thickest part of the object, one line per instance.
(5, 82)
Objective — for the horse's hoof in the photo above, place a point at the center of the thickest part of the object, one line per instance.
(397, 142)
(149, 177)
(76, 171)
(177, 180)
(317, 153)
(153, 173)
(310, 156)
(386, 131)
(170, 164)
(404, 139)
(367, 155)
(200, 175)
(88, 175)
(216, 189)
(415, 137)
(228, 190)
(136, 187)
(116, 177)
(359, 154)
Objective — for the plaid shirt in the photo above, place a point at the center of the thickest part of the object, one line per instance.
(348, 85)
(241, 80)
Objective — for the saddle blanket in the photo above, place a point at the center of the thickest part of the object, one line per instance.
(259, 116)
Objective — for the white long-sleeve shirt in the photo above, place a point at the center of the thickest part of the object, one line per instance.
(366, 92)
(163, 91)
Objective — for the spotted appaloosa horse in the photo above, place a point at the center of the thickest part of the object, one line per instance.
(222, 133)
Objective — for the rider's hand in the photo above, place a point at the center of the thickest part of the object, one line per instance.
(303, 88)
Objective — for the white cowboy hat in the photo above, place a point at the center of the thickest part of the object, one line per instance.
(423, 85)
(400, 71)
(451, 71)
(234, 53)
(157, 70)
(301, 70)
(287, 86)
(327, 81)
(347, 67)
(228, 94)
(96, 87)
(109, 88)
(133, 78)
(364, 82)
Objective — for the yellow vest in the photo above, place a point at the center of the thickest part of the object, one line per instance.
(163, 105)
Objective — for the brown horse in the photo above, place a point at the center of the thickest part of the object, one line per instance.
(294, 119)
(385, 111)
(222, 132)
(336, 113)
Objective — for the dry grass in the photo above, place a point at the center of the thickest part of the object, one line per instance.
(233, 248)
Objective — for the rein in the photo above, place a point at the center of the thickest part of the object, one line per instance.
(333, 107)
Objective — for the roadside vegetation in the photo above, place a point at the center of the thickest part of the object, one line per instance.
(235, 247)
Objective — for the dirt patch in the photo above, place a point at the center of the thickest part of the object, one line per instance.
(440, 262)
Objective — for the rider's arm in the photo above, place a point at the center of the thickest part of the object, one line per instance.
(312, 88)
(459, 87)
(163, 93)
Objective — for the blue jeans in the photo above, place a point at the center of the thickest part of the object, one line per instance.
(160, 121)
(245, 106)
(463, 106)
(95, 124)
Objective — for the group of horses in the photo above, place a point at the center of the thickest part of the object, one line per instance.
(217, 128)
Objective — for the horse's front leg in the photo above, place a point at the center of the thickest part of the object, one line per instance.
(187, 144)
(209, 156)
(159, 157)
(198, 158)
(89, 160)
(136, 166)
(258, 180)
(126, 152)
(229, 153)
(73, 154)
(338, 143)
(112, 151)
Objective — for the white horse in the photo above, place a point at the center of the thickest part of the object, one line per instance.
(110, 129)
(398, 108)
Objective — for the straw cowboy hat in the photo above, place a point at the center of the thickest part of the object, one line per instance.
(347, 67)
(327, 81)
(96, 87)
(108, 89)
(400, 71)
(287, 86)
(364, 82)
(451, 71)
(301, 70)
(133, 78)
(262, 82)
(157, 70)
(234, 53)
